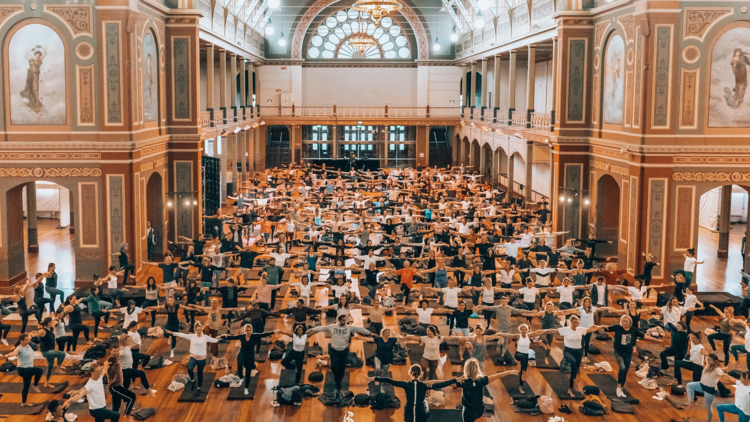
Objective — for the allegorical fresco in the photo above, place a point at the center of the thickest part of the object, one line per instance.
(614, 70)
(728, 105)
(150, 78)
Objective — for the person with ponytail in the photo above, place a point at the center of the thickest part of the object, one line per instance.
(246, 358)
(523, 347)
(710, 378)
(415, 409)
(26, 369)
(473, 383)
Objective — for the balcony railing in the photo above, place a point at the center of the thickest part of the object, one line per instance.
(518, 118)
(205, 118)
(489, 115)
(540, 121)
(362, 112)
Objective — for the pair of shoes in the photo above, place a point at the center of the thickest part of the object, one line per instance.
(620, 393)
(565, 409)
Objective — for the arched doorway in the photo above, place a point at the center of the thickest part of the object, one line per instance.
(721, 225)
(475, 157)
(501, 165)
(155, 215)
(487, 169)
(518, 172)
(278, 152)
(607, 225)
(466, 156)
(478, 91)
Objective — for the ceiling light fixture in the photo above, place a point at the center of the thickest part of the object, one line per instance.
(377, 9)
(479, 21)
(269, 28)
(454, 35)
(483, 4)
(436, 46)
(282, 41)
(274, 4)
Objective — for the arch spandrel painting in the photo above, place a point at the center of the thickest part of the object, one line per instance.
(36, 66)
(729, 104)
(614, 70)
(150, 79)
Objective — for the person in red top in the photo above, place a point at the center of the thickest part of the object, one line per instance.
(611, 274)
(406, 276)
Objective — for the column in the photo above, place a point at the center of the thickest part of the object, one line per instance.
(511, 86)
(293, 145)
(251, 87)
(233, 85)
(257, 89)
(242, 151)
(473, 89)
(31, 217)
(747, 238)
(335, 144)
(725, 212)
(71, 201)
(243, 85)
(483, 99)
(496, 91)
(530, 80)
(554, 89)
(210, 106)
(221, 148)
(427, 146)
(464, 71)
(511, 176)
(552, 187)
(223, 85)
(529, 170)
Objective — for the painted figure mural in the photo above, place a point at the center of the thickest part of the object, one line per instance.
(150, 79)
(729, 61)
(613, 81)
(37, 74)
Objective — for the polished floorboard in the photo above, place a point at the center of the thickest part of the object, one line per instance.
(720, 274)
(55, 246)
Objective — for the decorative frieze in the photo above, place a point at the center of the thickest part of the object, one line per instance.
(76, 17)
(735, 177)
(50, 172)
(622, 171)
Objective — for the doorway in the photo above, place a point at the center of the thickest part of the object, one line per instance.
(155, 214)
(607, 225)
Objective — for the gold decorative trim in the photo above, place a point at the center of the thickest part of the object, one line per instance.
(711, 160)
(50, 155)
(691, 54)
(612, 153)
(622, 171)
(50, 172)
(735, 177)
(599, 31)
(8, 11)
(627, 23)
(76, 17)
(698, 21)
(153, 164)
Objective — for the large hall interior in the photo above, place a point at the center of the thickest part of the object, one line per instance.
(374, 210)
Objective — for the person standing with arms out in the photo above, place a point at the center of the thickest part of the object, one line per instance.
(725, 331)
(50, 285)
(473, 383)
(125, 265)
(198, 352)
(150, 240)
(341, 335)
(115, 381)
(246, 358)
(26, 369)
(94, 393)
(274, 274)
(688, 269)
(710, 378)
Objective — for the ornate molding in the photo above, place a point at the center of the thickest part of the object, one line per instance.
(50, 156)
(735, 177)
(50, 172)
(8, 11)
(691, 54)
(84, 51)
(599, 30)
(576, 22)
(697, 21)
(182, 21)
(711, 160)
(153, 164)
(628, 25)
(622, 171)
(76, 17)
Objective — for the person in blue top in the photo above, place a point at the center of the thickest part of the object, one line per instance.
(26, 369)
(168, 269)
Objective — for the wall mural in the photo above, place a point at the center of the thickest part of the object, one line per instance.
(150, 78)
(36, 57)
(729, 61)
(614, 63)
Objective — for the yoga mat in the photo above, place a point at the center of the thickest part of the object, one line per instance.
(16, 409)
(497, 358)
(453, 355)
(608, 385)
(264, 350)
(16, 387)
(374, 387)
(193, 396)
(540, 353)
(444, 415)
(559, 383)
(181, 348)
(287, 377)
(510, 382)
(369, 349)
(416, 351)
(238, 393)
(329, 385)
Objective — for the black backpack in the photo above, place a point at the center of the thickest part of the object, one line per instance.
(288, 395)
(384, 401)
(7, 367)
(361, 400)
(156, 362)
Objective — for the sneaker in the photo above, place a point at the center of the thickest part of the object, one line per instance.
(4, 341)
(565, 409)
(620, 393)
(474, 315)
(171, 353)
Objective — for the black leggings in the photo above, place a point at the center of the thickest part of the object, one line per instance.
(190, 318)
(405, 290)
(450, 319)
(98, 319)
(129, 269)
(27, 374)
(191, 366)
(245, 366)
(338, 364)
(139, 358)
(120, 394)
(623, 361)
(726, 339)
(469, 414)
(299, 360)
(77, 329)
(25, 317)
(574, 356)
(62, 341)
(524, 359)
(488, 315)
(131, 374)
(585, 342)
(4, 330)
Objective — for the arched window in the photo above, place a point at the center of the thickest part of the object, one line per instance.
(331, 39)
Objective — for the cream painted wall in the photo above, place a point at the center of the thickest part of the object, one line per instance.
(274, 81)
(444, 84)
(542, 91)
(357, 87)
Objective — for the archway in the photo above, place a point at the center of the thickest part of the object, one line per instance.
(501, 165)
(721, 225)
(475, 157)
(517, 174)
(607, 226)
(278, 152)
(440, 147)
(466, 156)
(487, 169)
(155, 215)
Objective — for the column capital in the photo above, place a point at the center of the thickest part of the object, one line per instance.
(484, 59)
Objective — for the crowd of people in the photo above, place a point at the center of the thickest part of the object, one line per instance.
(435, 243)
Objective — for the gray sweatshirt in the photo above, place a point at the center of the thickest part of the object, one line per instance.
(340, 336)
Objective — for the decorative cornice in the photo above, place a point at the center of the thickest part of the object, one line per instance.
(735, 177)
(50, 156)
(710, 160)
(76, 17)
(50, 172)
(622, 171)
(153, 164)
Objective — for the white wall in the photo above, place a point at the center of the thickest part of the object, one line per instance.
(275, 80)
(542, 89)
(444, 84)
(541, 178)
(358, 87)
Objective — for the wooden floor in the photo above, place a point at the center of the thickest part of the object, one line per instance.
(720, 274)
(55, 246)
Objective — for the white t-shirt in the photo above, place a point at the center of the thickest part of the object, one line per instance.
(511, 249)
(637, 294)
(135, 337)
(128, 317)
(431, 347)
(339, 291)
(197, 344)
(526, 240)
(425, 315)
(601, 290)
(695, 354)
(299, 343)
(742, 397)
(523, 344)
(673, 316)
(572, 337)
(488, 295)
(506, 277)
(710, 379)
(95, 393)
(529, 294)
(587, 319)
(689, 264)
(690, 301)
(450, 296)
(566, 293)
(542, 275)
